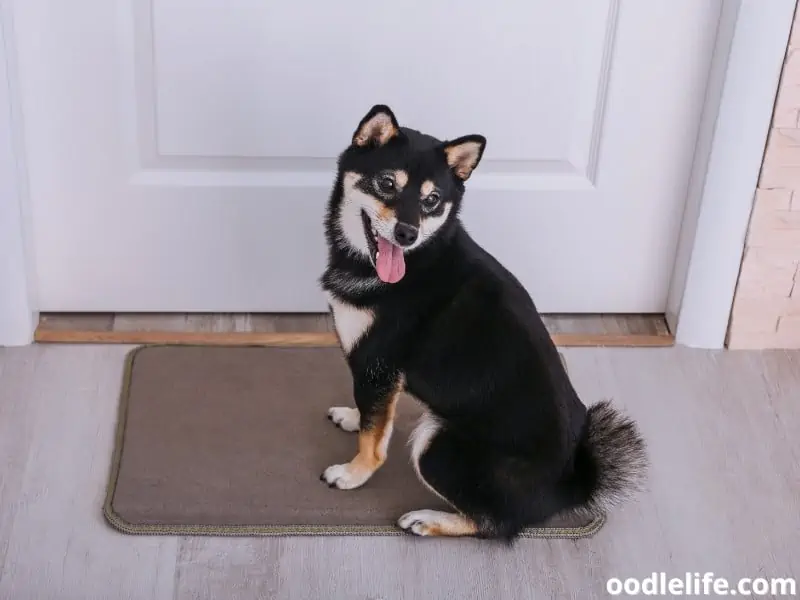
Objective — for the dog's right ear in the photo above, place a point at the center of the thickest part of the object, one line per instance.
(376, 128)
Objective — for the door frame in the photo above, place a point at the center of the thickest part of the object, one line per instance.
(752, 41)
(752, 38)
(18, 314)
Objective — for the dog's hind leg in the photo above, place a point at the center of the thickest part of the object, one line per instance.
(432, 522)
(470, 478)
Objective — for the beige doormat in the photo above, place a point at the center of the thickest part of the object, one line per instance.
(221, 441)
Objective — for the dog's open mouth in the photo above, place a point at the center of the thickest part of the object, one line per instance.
(388, 258)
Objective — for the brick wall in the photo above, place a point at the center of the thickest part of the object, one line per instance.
(766, 308)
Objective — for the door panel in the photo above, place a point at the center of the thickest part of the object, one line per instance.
(181, 151)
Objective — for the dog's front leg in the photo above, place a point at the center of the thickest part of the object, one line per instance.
(376, 401)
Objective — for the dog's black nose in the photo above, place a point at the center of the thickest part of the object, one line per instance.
(405, 234)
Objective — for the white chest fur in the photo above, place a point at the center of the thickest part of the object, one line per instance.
(351, 322)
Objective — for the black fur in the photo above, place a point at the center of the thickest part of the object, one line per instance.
(516, 445)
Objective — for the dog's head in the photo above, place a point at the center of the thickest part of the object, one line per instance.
(397, 191)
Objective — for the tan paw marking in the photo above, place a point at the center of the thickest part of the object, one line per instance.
(436, 523)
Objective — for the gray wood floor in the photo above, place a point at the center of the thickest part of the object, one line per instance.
(724, 436)
(265, 323)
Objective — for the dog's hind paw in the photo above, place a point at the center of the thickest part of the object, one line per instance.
(436, 523)
(344, 417)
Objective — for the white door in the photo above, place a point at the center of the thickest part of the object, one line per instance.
(180, 152)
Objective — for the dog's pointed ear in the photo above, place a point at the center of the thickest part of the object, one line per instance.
(376, 128)
(464, 153)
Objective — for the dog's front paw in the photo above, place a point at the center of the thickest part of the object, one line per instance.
(345, 477)
(344, 417)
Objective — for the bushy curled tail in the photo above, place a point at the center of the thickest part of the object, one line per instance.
(612, 462)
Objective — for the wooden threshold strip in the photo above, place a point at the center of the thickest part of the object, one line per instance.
(75, 336)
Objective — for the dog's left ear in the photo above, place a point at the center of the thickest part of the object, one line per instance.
(376, 128)
(464, 153)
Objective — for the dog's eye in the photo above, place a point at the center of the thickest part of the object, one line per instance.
(386, 184)
(430, 202)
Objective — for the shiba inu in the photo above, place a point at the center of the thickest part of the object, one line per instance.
(420, 307)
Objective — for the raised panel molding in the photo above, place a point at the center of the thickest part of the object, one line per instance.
(223, 213)
(159, 156)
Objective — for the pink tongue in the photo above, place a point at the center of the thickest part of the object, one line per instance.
(391, 264)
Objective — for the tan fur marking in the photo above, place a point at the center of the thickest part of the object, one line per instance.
(457, 526)
(400, 178)
(385, 213)
(433, 523)
(365, 463)
(463, 158)
(426, 189)
(373, 442)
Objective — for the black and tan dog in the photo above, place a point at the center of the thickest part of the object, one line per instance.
(420, 307)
